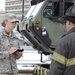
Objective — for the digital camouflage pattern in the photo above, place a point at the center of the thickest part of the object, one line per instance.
(8, 62)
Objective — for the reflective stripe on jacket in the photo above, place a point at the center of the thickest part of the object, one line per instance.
(63, 60)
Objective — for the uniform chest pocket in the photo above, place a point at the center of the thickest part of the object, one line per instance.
(5, 45)
(14, 43)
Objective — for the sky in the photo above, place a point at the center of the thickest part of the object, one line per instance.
(2, 5)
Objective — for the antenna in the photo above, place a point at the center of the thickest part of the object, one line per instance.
(22, 10)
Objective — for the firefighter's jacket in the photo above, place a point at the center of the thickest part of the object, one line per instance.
(8, 62)
(63, 59)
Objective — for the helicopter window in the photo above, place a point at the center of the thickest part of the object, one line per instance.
(56, 9)
(48, 10)
(52, 9)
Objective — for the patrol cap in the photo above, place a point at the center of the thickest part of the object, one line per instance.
(11, 17)
(69, 15)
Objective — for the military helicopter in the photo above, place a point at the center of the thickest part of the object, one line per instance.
(41, 25)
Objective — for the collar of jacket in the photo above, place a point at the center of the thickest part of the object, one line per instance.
(71, 30)
(6, 34)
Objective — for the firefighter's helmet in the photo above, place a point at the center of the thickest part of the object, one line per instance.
(69, 15)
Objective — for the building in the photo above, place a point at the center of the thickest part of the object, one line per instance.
(2, 13)
(16, 7)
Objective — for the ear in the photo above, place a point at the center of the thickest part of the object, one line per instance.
(6, 21)
(69, 23)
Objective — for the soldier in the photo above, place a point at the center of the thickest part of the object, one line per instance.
(8, 46)
(63, 59)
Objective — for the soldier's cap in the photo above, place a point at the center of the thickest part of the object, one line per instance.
(11, 17)
(69, 15)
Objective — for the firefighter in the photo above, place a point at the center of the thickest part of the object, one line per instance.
(9, 44)
(63, 59)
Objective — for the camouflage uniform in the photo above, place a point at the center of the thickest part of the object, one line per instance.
(8, 64)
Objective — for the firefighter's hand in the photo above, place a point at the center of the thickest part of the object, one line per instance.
(12, 50)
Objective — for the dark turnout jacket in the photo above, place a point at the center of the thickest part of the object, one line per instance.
(63, 59)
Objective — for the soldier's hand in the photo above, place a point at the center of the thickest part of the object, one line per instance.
(19, 54)
(12, 50)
